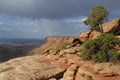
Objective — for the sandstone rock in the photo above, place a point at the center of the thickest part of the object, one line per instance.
(52, 79)
(107, 69)
(62, 52)
(85, 74)
(88, 35)
(31, 68)
(70, 73)
(94, 34)
(83, 36)
(78, 49)
(112, 26)
(51, 42)
(73, 50)
(63, 60)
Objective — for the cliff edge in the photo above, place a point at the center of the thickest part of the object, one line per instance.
(53, 41)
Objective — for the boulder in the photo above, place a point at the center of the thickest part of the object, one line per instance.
(107, 69)
(88, 35)
(84, 74)
(94, 34)
(70, 73)
(71, 51)
(83, 36)
(31, 68)
(111, 27)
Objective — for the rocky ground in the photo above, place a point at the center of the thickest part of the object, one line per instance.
(61, 63)
(64, 64)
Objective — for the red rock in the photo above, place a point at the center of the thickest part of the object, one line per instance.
(112, 26)
(51, 42)
(88, 35)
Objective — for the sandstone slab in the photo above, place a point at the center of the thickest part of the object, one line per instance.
(112, 26)
(31, 68)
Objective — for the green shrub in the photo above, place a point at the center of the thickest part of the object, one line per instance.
(99, 57)
(114, 55)
(61, 47)
(101, 49)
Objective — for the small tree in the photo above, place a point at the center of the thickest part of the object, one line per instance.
(96, 16)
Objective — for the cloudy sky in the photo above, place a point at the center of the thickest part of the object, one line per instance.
(41, 18)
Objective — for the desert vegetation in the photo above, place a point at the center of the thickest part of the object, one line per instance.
(96, 17)
(102, 49)
(64, 46)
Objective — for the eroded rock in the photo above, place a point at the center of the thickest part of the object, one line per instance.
(107, 69)
(51, 42)
(112, 27)
(70, 73)
(31, 68)
(88, 35)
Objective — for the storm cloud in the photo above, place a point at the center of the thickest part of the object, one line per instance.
(41, 18)
(53, 9)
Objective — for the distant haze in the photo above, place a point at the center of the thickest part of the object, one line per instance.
(35, 19)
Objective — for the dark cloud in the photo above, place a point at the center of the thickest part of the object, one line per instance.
(54, 9)
(41, 18)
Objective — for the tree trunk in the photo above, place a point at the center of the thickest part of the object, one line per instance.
(101, 28)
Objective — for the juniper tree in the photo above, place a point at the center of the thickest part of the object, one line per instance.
(96, 17)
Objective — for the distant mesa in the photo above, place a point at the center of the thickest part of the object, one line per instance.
(52, 41)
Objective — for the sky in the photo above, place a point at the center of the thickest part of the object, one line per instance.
(36, 19)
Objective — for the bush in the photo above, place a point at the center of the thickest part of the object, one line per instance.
(101, 49)
(61, 47)
(114, 55)
(99, 57)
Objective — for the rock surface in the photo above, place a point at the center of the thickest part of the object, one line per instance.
(53, 41)
(108, 69)
(64, 64)
(54, 67)
(112, 27)
(88, 35)
(70, 73)
(31, 68)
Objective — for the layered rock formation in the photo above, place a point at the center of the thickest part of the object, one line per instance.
(31, 68)
(109, 27)
(88, 35)
(112, 27)
(51, 42)
(108, 69)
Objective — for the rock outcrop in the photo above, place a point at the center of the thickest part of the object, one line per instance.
(53, 41)
(108, 69)
(88, 35)
(58, 65)
(31, 68)
(112, 27)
